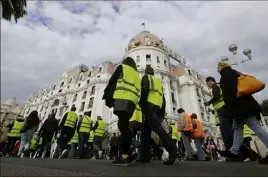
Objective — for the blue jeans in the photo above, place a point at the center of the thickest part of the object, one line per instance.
(25, 141)
(72, 151)
(83, 139)
(200, 152)
(253, 124)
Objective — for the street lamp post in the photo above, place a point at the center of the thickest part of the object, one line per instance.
(247, 52)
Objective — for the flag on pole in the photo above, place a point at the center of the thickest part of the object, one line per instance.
(143, 24)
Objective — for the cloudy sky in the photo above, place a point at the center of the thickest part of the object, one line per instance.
(55, 36)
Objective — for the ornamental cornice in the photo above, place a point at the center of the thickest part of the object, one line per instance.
(70, 91)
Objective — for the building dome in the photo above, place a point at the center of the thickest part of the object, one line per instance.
(140, 39)
(11, 101)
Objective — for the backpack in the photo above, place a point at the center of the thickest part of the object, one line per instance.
(248, 85)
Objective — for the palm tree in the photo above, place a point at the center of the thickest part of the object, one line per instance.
(13, 8)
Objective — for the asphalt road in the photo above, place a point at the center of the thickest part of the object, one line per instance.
(15, 167)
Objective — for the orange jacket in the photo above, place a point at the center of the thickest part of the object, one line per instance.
(198, 132)
(188, 123)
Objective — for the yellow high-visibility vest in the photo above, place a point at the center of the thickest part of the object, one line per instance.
(156, 91)
(220, 103)
(174, 132)
(91, 136)
(74, 139)
(33, 143)
(101, 128)
(137, 115)
(217, 119)
(71, 119)
(85, 125)
(247, 132)
(128, 87)
(15, 131)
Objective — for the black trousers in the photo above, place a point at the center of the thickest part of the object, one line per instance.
(66, 135)
(246, 142)
(153, 122)
(10, 144)
(46, 143)
(126, 135)
(114, 152)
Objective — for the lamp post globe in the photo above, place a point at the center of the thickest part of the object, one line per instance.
(233, 48)
(247, 52)
(224, 58)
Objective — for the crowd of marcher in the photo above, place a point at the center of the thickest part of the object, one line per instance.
(145, 131)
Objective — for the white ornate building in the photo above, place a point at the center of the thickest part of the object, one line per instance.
(83, 86)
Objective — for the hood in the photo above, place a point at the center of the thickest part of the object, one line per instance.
(20, 120)
(130, 62)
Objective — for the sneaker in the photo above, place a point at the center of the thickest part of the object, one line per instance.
(132, 158)
(247, 160)
(233, 157)
(190, 158)
(63, 154)
(171, 159)
(263, 160)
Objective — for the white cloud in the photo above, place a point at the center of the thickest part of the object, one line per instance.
(34, 55)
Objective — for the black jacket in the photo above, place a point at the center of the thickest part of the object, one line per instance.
(49, 127)
(118, 104)
(145, 106)
(216, 91)
(243, 106)
(30, 123)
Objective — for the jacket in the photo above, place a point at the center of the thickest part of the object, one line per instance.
(235, 107)
(144, 105)
(117, 104)
(216, 91)
(49, 127)
(114, 141)
(30, 123)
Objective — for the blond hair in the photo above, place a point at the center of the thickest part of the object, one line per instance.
(224, 63)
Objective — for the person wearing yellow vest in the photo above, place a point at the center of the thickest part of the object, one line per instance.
(90, 143)
(83, 129)
(185, 126)
(218, 104)
(99, 128)
(123, 93)
(173, 131)
(74, 143)
(247, 136)
(135, 124)
(152, 103)
(67, 130)
(13, 135)
(198, 136)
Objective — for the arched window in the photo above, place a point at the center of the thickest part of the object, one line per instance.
(81, 77)
(70, 80)
(54, 87)
(92, 90)
(84, 95)
(75, 97)
(62, 83)
(89, 74)
(56, 102)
